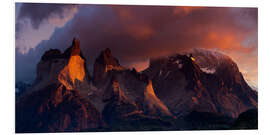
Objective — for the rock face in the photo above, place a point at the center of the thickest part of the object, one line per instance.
(118, 104)
(74, 74)
(152, 104)
(103, 64)
(59, 99)
(184, 86)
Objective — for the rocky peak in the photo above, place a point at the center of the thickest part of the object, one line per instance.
(107, 53)
(68, 68)
(75, 72)
(51, 54)
(107, 58)
(75, 48)
(166, 67)
(103, 64)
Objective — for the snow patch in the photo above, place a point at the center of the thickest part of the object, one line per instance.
(180, 66)
(177, 62)
(160, 72)
(208, 71)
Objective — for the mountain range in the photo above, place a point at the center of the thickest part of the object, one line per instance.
(201, 89)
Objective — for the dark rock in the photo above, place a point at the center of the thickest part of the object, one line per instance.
(55, 109)
(51, 54)
(247, 120)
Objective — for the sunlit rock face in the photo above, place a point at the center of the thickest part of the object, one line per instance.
(68, 68)
(75, 69)
(152, 104)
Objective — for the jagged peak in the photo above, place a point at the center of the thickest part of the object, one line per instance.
(74, 49)
(104, 63)
(107, 52)
(107, 58)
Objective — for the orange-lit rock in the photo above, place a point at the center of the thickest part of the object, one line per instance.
(73, 71)
(154, 104)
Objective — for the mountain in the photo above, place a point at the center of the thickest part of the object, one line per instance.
(185, 84)
(199, 90)
(58, 101)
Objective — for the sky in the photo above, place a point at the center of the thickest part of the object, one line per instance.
(135, 33)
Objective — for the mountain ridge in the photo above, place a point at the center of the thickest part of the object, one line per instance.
(167, 92)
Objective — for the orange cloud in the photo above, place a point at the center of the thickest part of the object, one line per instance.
(227, 41)
(139, 66)
(140, 32)
(185, 10)
(132, 24)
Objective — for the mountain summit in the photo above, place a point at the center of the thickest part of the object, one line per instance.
(74, 73)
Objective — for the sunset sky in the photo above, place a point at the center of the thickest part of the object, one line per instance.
(135, 33)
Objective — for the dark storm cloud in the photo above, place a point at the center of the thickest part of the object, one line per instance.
(136, 33)
(37, 12)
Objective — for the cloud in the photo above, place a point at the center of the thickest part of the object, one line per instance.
(36, 22)
(40, 13)
(136, 33)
